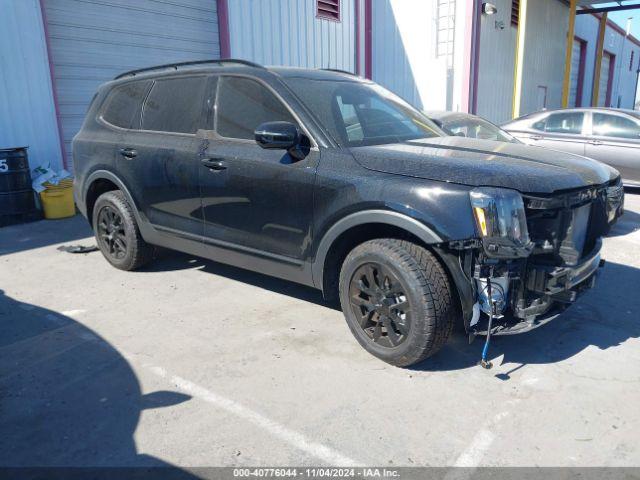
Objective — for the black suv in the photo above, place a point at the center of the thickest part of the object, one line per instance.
(324, 178)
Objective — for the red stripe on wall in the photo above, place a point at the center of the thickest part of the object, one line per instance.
(367, 40)
(357, 20)
(223, 28)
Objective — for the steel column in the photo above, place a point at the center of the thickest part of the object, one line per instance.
(598, 66)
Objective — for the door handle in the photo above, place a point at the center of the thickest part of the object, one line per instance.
(595, 142)
(535, 137)
(128, 153)
(216, 164)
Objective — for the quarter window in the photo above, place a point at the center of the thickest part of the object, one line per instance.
(124, 102)
(568, 123)
(615, 126)
(175, 105)
(244, 104)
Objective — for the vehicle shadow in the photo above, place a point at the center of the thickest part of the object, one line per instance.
(604, 317)
(169, 260)
(629, 222)
(67, 397)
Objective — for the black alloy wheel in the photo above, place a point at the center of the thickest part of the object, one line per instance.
(117, 233)
(379, 301)
(111, 232)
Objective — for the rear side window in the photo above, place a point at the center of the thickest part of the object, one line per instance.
(566, 122)
(124, 102)
(175, 105)
(243, 104)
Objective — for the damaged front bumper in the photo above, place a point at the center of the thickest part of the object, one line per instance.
(531, 286)
(544, 293)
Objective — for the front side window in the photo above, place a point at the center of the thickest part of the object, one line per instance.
(243, 104)
(124, 102)
(615, 126)
(358, 113)
(566, 122)
(175, 105)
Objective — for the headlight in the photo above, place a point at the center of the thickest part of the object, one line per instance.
(615, 202)
(501, 221)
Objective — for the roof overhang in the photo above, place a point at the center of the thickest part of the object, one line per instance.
(591, 6)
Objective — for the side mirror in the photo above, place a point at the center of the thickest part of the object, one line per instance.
(282, 136)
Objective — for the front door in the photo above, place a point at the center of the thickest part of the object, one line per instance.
(164, 154)
(254, 200)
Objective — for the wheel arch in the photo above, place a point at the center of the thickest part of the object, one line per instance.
(357, 228)
(102, 181)
(360, 227)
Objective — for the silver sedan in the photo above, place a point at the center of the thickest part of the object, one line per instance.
(609, 135)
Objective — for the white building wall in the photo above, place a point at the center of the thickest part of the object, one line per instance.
(404, 52)
(287, 32)
(27, 111)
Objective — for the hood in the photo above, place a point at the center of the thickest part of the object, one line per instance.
(474, 162)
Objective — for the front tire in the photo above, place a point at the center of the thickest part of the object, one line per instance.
(117, 233)
(396, 298)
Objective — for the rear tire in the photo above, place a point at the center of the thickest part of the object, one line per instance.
(117, 233)
(397, 300)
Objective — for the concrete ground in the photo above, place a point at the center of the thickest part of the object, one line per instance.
(193, 363)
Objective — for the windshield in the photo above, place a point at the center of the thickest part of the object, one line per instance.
(475, 127)
(358, 114)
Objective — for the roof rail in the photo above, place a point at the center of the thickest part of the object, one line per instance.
(175, 66)
(337, 70)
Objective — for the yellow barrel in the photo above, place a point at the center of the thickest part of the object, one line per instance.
(57, 200)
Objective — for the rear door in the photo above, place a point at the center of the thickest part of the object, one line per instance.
(160, 153)
(560, 131)
(615, 140)
(257, 201)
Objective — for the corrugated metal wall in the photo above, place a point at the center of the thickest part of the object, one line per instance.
(624, 81)
(287, 32)
(544, 54)
(27, 112)
(496, 71)
(92, 41)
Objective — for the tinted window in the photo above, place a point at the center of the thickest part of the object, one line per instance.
(243, 104)
(175, 105)
(615, 126)
(358, 113)
(569, 122)
(124, 103)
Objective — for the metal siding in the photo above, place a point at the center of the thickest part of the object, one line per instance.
(603, 92)
(544, 53)
(624, 82)
(496, 71)
(287, 32)
(93, 41)
(27, 111)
